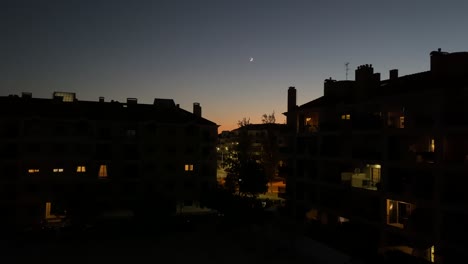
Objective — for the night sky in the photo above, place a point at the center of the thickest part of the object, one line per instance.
(199, 50)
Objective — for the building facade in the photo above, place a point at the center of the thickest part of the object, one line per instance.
(63, 158)
(382, 164)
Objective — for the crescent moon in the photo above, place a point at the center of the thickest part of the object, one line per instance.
(251, 59)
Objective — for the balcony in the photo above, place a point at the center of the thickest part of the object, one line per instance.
(425, 157)
(396, 120)
(412, 149)
(368, 179)
(398, 213)
(417, 182)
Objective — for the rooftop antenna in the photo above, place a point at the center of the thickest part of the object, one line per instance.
(347, 69)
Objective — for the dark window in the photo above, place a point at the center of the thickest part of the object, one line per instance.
(188, 185)
(10, 171)
(131, 151)
(9, 151)
(104, 133)
(131, 171)
(59, 130)
(131, 133)
(189, 150)
(103, 151)
(206, 152)
(58, 149)
(34, 148)
(82, 128)
(206, 135)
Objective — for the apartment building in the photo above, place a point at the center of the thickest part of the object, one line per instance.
(63, 158)
(382, 165)
(264, 143)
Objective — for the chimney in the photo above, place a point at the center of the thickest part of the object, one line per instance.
(364, 73)
(197, 109)
(291, 119)
(101, 99)
(291, 98)
(377, 77)
(393, 74)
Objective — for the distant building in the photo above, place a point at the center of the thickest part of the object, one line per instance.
(383, 164)
(66, 158)
(264, 143)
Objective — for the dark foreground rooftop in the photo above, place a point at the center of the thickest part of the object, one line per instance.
(183, 242)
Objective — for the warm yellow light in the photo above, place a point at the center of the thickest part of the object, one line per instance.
(188, 167)
(58, 170)
(81, 169)
(47, 210)
(33, 171)
(102, 171)
(433, 254)
(402, 122)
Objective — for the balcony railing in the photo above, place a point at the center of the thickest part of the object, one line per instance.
(359, 180)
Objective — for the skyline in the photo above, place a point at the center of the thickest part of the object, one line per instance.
(236, 58)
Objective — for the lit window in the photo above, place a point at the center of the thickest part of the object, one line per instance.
(103, 171)
(346, 117)
(58, 170)
(81, 169)
(432, 146)
(398, 213)
(402, 122)
(432, 254)
(342, 219)
(53, 216)
(66, 97)
(33, 171)
(47, 210)
(188, 167)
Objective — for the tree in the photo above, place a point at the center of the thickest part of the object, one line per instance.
(252, 178)
(244, 175)
(269, 119)
(270, 153)
(243, 122)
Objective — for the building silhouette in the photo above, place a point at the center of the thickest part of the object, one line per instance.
(381, 165)
(63, 158)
